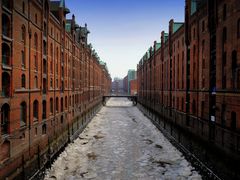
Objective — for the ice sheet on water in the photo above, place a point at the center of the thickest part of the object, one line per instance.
(121, 143)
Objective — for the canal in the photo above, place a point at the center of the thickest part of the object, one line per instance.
(121, 143)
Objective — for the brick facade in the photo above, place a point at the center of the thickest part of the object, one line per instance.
(51, 82)
(191, 76)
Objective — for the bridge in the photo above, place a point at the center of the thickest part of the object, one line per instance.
(132, 98)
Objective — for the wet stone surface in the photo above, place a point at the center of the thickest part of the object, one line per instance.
(121, 143)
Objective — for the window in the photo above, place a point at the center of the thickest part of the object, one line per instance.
(223, 115)
(6, 25)
(224, 12)
(6, 54)
(45, 29)
(233, 120)
(36, 82)
(238, 28)
(35, 62)
(23, 35)
(44, 109)
(57, 104)
(51, 83)
(5, 118)
(44, 66)
(61, 104)
(234, 70)
(51, 105)
(7, 3)
(35, 41)
(224, 35)
(36, 19)
(23, 59)
(234, 60)
(44, 47)
(224, 58)
(203, 26)
(35, 109)
(23, 7)
(44, 85)
(44, 129)
(23, 80)
(194, 33)
(23, 114)
(5, 84)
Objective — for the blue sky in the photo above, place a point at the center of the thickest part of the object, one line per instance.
(123, 30)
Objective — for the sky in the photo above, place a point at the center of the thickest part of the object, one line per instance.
(121, 31)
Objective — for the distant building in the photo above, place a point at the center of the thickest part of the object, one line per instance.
(133, 87)
(117, 86)
(125, 84)
(131, 76)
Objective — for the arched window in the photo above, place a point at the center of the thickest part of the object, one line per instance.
(35, 109)
(6, 54)
(5, 118)
(23, 80)
(233, 120)
(23, 114)
(6, 25)
(51, 105)
(5, 84)
(44, 109)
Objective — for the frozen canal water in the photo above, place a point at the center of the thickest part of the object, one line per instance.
(121, 143)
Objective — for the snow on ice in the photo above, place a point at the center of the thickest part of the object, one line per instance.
(121, 143)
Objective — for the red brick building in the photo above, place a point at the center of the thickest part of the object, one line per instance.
(191, 76)
(133, 87)
(51, 83)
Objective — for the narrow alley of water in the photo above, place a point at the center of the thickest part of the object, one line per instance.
(121, 143)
